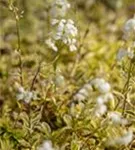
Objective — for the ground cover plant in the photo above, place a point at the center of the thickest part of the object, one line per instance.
(67, 75)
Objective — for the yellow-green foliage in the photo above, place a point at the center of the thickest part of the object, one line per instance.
(49, 109)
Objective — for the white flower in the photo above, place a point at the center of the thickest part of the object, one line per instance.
(51, 44)
(129, 29)
(64, 31)
(104, 98)
(67, 30)
(47, 145)
(59, 8)
(116, 118)
(108, 97)
(70, 29)
(61, 26)
(100, 110)
(123, 53)
(100, 100)
(130, 54)
(130, 26)
(83, 93)
(104, 88)
(79, 97)
(101, 85)
(72, 45)
(88, 87)
(54, 21)
(21, 93)
(97, 81)
(125, 139)
(27, 96)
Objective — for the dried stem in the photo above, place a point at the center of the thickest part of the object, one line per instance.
(35, 76)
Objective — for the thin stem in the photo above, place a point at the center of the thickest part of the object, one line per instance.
(18, 35)
(35, 76)
(79, 52)
(126, 87)
(18, 49)
(21, 70)
(29, 113)
(18, 44)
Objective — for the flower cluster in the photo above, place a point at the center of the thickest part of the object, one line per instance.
(63, 31)
(77, 104)
(25, 95)
(47, 145)
(117, 119)
(125, 139)
(104, 97)
(83, 93)
(98, 84)
(129, 34)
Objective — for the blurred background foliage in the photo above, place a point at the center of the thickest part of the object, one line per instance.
(102, 19)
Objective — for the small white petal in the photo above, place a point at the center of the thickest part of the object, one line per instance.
(100, 110)
(79, 97)
(54, 21)
(100, 100)
(84, 92)
(50, 44)
(130, 25)
(73, 48)
(47, 145)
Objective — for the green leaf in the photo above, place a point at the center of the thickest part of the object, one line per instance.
(75, 145)
(45, 129)
(67, 119)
